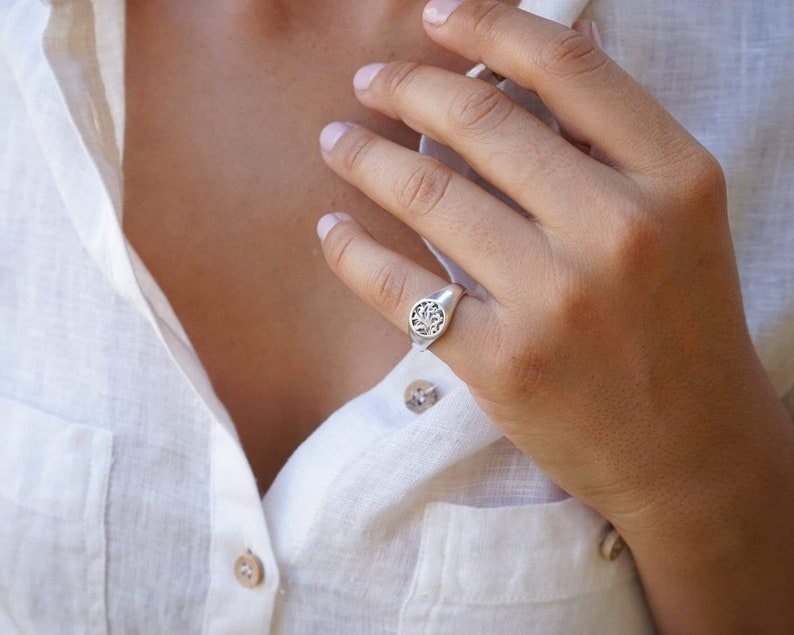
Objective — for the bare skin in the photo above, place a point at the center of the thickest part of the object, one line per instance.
(625, 370)
(223, 187)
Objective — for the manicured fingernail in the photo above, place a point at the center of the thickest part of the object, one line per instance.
(364, 75)
(596, 35)
(437, 12)
(332, 133)
(325, 224)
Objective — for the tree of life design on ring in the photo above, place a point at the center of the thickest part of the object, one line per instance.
(427, 318)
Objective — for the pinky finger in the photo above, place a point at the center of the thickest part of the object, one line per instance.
(390, 283)
(589, 30)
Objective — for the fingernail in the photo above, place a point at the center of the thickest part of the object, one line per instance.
(596, 35)
(437, 12)
(332, 133)
(364, 75)
(326, 223)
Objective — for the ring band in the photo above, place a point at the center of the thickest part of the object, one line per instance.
(430, 316)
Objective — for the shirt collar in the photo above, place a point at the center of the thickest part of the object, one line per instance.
(74, 94)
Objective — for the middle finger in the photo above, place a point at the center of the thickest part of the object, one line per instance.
(482, 234)
(505, 144)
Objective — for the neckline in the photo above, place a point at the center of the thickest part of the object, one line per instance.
(299, 490)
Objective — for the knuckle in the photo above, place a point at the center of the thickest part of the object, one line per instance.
(635, 244)
(691, 182)
(517, 367)
(705, 181)
(354, 149)
(485, 19)
(339, 246)
(569, 53)
(529, 374)
(387, 286)
(576, 307)
(480, 111)
(397, 77)
(424, 188)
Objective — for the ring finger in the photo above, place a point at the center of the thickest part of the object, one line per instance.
(482, 234)
(390, 283)
(504, 143)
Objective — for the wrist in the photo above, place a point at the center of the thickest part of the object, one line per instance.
(716, 554)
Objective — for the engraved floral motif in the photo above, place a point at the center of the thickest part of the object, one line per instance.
(427, 318)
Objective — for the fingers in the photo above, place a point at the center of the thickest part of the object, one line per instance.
(482, 234)
(504, 143)
(566, 68)
(588, 29)
(391, 283)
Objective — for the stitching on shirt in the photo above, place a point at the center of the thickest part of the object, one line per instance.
(540, 598)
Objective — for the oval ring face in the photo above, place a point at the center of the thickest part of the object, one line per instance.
(427, 318)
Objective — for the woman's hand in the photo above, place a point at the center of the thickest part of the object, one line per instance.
(606, 337)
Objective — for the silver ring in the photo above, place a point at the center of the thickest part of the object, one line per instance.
(430, 316)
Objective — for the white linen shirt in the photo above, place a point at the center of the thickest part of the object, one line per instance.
(125, 497)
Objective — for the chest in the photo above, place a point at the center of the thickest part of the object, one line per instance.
(223, 187)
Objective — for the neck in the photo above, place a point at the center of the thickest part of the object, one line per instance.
(282, 18)
(364, 17)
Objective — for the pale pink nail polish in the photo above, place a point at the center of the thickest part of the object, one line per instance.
(364, 76)
(437, 12)
(326, 223)
(332, 133)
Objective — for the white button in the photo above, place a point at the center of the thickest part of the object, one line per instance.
(612, 545)
(420, 395)
(248, 570)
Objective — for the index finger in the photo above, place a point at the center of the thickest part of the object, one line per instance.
(588, 93)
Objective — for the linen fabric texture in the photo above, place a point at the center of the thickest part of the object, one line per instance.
(125, 497)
